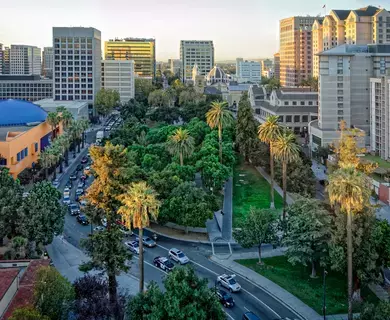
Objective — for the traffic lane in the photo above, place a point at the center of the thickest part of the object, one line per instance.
(244, 301)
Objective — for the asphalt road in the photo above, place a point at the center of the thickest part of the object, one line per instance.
(251, 298)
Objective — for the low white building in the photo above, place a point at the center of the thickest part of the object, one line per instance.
(119, 75)
(248, 71)
(78, 109)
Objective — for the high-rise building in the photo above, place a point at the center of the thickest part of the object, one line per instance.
(22, 87)
(277, 66)
(248, 71)
(47, 62)
(361, 26)
(174, 66)
(6, 60)
(1, 58)
(295, 50)
(25, 60)
(119, 75)
(142, 51)
(266, 65)
(344, 90)
(196, 52)
(77, 64)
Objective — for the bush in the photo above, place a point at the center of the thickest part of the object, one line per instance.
(25, 176)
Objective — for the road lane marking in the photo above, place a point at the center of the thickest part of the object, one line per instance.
(252, 295)
(150, 264)
(246, 309)
(228, 315)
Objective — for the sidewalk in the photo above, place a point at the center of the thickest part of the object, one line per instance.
(278, 189)
(67, 258)
(280, 294)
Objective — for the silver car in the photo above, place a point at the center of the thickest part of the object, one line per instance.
(148, 242)
(178, 256)
(133, 246)
(229, 282)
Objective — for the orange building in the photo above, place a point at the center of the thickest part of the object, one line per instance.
(24, 133)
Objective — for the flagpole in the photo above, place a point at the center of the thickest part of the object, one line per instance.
(324, 10)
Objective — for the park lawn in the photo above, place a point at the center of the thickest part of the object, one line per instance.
(250, 189)
(381, 163)
(296, 280)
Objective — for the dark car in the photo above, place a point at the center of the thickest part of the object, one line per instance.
(225, 298)
(84, 160)
(82, 219)
(163, 263)
(74, 209)
(69, 184)
(250, 316)
(79, 167)
(73, 175)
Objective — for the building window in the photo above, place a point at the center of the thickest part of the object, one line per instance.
(340, 119)
(288, 118)
(340, 105)
(340, 112)
(302, 103)
(3, 162)
(26, 152)
(340, 99)
(18, 158)
(294, 103)
(340, 92)
(310, 103)
(340, 71)
(340, 78)
(297, 118)
(36, 146)
(286, 103)
(340, 85)
(281, 118)
(305, 118)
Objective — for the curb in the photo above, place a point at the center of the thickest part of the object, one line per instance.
(178, 239)
(262, 288)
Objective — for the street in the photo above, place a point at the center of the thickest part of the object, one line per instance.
(251, 298)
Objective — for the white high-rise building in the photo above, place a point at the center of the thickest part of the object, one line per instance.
(175, 66)
(47, 62)
(248, 71)
(119, 75)
(77, 64)
(25, 60)
(196, 52)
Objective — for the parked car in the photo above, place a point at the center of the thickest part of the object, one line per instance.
(99, 228)
(150, 243)
(79, 191)
(80, 185)
(87, 171)
(83, 203)
(66, 192)
(25, 194)
(225, 298)
(163, 263)
(126, 232)
(178, 256)
(82, 219)
(250, 316)
(56, 183)
(229, 282)
(66, 200)
(104, 222)
(74, 209)
(133, 246)
(84, 160)
(79, 167)
(73, 175)
(83, 177)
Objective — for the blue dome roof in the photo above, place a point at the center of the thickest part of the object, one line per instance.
(18, 113)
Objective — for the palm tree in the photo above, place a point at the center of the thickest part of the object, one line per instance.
(63, 143)
(45, 160)
(53, 120)
(84, 125)
(55, 155)
(219, 116)
(268, 133)
(181, 144)
(139, 203)
(75, 131)
(286, 150)
(66, 117)
(349, 189)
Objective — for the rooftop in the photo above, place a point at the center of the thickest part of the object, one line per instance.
(284, 94)
(52, 104)
(4, 131)
(20, 113)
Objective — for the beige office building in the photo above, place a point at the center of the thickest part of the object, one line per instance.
(295, 50)
(142, 51)
(361, 26)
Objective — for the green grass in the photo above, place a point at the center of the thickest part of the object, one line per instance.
(250, 189)
(296, 279)
(381, 163)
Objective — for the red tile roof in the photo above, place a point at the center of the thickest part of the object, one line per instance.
(7, 276)
(24, 295)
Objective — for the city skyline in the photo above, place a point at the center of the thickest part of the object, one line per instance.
(247, 29)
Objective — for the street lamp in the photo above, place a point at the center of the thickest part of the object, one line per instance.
(324, 302)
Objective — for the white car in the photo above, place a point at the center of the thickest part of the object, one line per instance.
(104, 222)
(66, 192)
(133, 246)
(178, 256)
(66, 200)
(56, 183)
(229, 282)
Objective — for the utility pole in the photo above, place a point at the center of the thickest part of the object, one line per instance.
(324, 302)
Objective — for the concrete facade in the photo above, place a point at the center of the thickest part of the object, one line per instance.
(78, 109)
(277, 66)
(25, 60)
(29, 88)
(47, 62)
(119, 75)
(196, 52)
(248, 71)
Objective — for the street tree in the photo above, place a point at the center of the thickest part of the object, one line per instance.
(139, 204)
(259, 227)
(181, 144)
(245, 128)
(380, 311)
(65, 116)
(190, 96)
(189, 206)
(11, 218)
(143, 87)
(53, 294)
(349, 189)
(286, 150)
(111, 165)
(106, 100)
(44, 214)
(268, 132)
(308, 234)
(53, 119)
(198, 129)
(219, 117)
(27, 313)
(158, 98)
(186, 296)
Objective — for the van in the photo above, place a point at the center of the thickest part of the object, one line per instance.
(250, 316)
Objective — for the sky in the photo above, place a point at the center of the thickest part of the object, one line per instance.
(239, 28)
